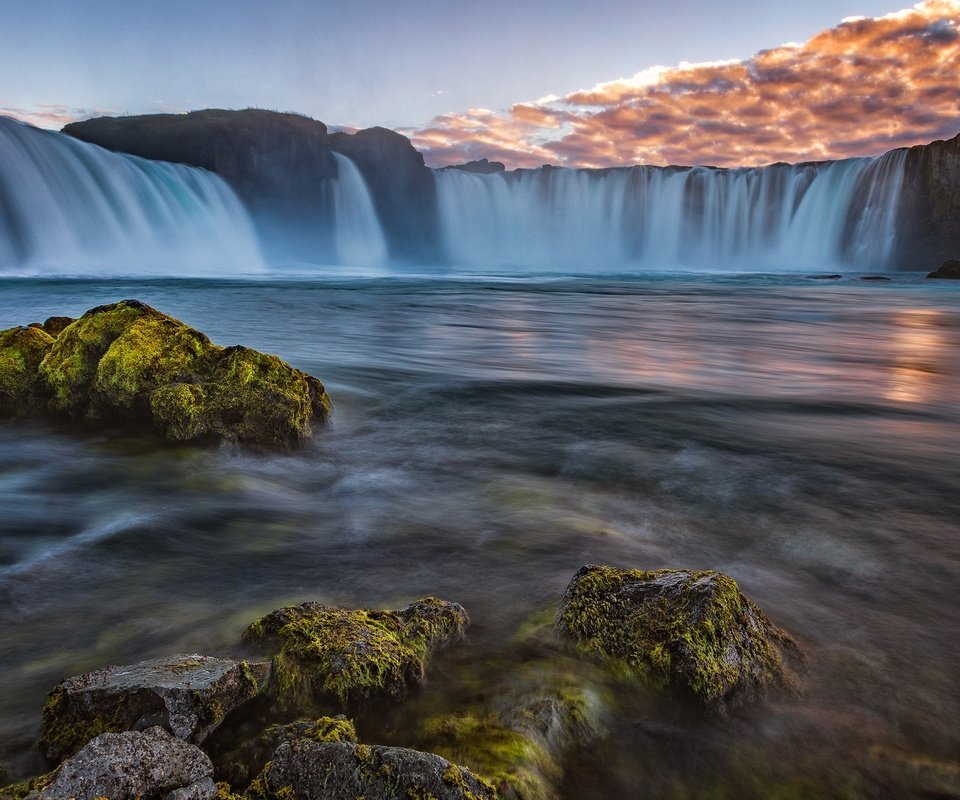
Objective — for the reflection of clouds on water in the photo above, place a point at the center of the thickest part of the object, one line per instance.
(917, 345)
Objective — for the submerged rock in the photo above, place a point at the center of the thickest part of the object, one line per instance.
(188, 695)
(308, 770)
(22, 390)
(128, 361)
(152, 765)
(948, 269)
(694, 630)
(526, 717)
(326, 652)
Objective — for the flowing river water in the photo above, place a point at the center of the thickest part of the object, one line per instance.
(489, 438)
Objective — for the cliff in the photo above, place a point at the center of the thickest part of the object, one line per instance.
(930, 205)
(279, 165)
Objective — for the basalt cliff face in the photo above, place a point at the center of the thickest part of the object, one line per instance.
(930, 204)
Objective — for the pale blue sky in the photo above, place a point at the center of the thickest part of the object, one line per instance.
(369, 62)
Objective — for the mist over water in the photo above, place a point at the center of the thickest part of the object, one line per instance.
(489, 438)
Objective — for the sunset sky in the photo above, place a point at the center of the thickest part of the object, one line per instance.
(526, 83)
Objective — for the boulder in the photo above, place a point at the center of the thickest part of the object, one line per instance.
(324, 652)
(692, 630)
(948, 269)
(188, 695)
(308, 770)
(242, 763)
(22, 389)
(128, 361)
(148, 765)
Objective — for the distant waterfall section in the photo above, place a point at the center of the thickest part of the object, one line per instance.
(839, 214)
(358, 237)
(67, 207)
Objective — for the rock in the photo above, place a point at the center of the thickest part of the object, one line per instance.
(132, 765)
(948, 269)
(833, 277)
(188, 695)
(308, 770)
(56, 325)
(928, 216)
(693, 630)
(22, 389)
(350, 655)
(128, 361)
(480, 167)
(527, 715)
(874, 278)
(242, 763)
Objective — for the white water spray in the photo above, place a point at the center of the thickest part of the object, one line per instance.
(67, 207)
(808, 216)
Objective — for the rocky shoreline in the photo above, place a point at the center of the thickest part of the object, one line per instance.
(156, 729)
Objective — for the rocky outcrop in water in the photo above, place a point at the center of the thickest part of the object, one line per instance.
(188, 695)
(691, 630)
(948, 269)
(324, 652)
(148, 765)
(129, 362)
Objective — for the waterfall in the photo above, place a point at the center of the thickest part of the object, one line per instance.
(67, 207)
(358, 236)
(808, 216)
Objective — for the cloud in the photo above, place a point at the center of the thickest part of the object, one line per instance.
(862, 87)
(49, 115)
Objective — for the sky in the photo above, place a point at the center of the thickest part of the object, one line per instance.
(526, 82)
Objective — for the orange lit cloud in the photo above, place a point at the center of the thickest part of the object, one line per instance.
(863, 87)
(50, 115)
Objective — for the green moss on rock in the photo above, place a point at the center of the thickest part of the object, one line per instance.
(516, 764)
(128, 361)
(353, 655)
(690, 629)
(22, 389)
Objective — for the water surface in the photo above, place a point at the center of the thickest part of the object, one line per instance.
(490, 437)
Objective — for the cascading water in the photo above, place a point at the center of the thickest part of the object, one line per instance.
(70, 207)
(358, 236)
(830, 214)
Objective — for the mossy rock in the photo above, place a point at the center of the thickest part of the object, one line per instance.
(306, 770)
(189, 695)
(22, 390)
(692, 630)
(325, 653)
(522, 725)
(517, 764)
(242, 763)
(128, 361)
